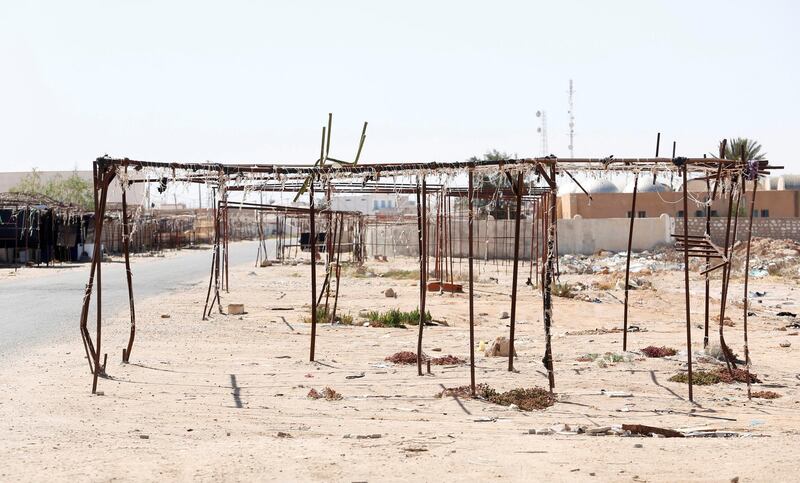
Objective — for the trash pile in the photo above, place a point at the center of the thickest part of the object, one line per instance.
(635, 430)
(609, 262)
(769, 256)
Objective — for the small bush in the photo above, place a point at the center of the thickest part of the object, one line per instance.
(324, 316)
(563, 290)
(395, 318)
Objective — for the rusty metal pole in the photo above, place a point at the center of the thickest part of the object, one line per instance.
(547, 283)
(97, 258)
(746, 279)
(423, 273)
(471, 292)
(126, 353)
(708, 265)
(686, 279)
(213, 256)
(727, 270)
(313, 242)
(515, 269)
(723, 345)
(628, 264)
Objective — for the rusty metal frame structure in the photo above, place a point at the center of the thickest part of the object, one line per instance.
(544, 171)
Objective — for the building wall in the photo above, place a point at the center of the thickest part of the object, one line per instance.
(779, 228)
(781, 204)
(495, 238)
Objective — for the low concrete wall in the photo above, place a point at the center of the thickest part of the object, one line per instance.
(495, 238)
(586, 236)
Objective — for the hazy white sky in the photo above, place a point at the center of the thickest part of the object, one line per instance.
(247, 81)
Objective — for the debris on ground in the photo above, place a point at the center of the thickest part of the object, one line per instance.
(598, 331)
(643, 430)
(499, 348)
(390, 293)
(236, 309)
(363, 436)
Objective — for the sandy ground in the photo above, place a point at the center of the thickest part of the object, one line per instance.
(206, 400)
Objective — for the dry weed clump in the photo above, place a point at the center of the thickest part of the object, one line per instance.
(766, 395)
(653, 351)
(408, 357)
(739, 375)
(721, 374)
(699, 378)
(529, 399)
(329, 394)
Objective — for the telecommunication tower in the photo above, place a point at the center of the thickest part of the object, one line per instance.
(571, 122)
(542, 130)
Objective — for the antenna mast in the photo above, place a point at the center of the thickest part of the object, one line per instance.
(571, 122)
(542, 130)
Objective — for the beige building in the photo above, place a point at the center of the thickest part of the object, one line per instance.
(778, 197)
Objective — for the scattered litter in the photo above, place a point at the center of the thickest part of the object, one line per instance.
(236, 309)
(765, 395)
(355, 376)
(503, 315)
(786, 343)
(165, 316)
(786, 314)
(616, 393)
(281, 434)
(390, 293)
(643, 430)
(499, 348)
(485, 419)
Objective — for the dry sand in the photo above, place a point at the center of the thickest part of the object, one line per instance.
(210, 400)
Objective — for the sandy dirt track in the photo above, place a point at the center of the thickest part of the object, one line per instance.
(206, 400)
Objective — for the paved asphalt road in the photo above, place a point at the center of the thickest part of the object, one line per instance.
(48, 307)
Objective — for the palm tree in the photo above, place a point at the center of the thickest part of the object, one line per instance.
(750, 147)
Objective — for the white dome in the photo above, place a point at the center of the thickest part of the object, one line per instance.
(600, 186)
